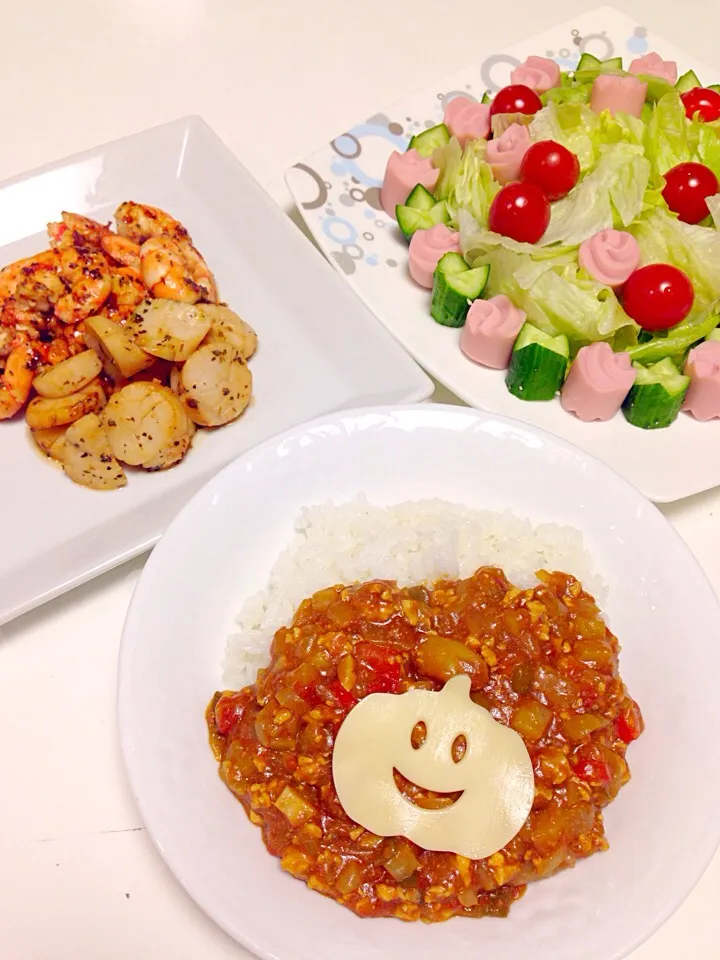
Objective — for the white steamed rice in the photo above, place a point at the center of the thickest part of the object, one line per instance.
(412, 542)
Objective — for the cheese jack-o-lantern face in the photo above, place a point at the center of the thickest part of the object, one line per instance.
(494, 775)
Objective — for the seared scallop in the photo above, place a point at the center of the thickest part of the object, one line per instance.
(215, 384)
(227, 325)
(142, 420)
(86, 456)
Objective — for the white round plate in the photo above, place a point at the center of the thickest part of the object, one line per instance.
(663, 829)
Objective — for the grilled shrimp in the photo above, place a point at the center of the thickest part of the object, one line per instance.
(88, 275)
(7, 340)
(32, 278)
(122, 250)
(165, 272)
(215, 384)
(76, 229)
(127, 293)
(140, 223)
(17, 379)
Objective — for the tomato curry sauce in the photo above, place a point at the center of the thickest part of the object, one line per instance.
(541, 660)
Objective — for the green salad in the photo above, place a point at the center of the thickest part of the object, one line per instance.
(591, 208)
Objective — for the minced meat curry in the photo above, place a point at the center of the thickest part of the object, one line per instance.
(540, 660)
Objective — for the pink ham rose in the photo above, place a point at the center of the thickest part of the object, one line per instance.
(467, 120)
(610, 256)
(653, 65)
(598, 382)
(490, 331)
(538, 73)
(618, 95)
(426, 248)
(506, 152)
(703, 367)
(403, 172)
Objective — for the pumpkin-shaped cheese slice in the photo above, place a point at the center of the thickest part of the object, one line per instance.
(494, 775)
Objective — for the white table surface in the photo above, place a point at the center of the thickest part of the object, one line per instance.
(79, 877)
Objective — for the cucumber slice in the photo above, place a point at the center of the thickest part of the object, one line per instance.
(452, 263)
(588, 68)
(715, 87)
(612, 63)
(427, 142)
(538, 364)
(656, 87)
(656, 396)
(420, 199)
(688, 81)
(411, 219)
(647, 112)
(588, 62)
(486, 98)
(454, 289)
(439, 213)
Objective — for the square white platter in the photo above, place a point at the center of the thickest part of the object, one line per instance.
(336, 190)
(320, 349)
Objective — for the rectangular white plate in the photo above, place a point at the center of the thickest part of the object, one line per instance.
(337, 189)
(320, 348)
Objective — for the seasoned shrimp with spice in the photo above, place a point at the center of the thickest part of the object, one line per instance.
(127, 292)
(123, 251)
(75, 229)
(87, 273)
(165, 271)
(39, 272)
(16, 379)
(79, 231)
(141, 223)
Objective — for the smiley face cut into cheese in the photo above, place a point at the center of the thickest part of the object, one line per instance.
(494, 775)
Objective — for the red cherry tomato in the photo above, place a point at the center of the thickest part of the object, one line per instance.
(687, 187)
(703, 101)
(658, 296)
(517, 98)
(552, 167)
(520, 211)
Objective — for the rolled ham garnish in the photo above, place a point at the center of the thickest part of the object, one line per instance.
(618, 95)
(403, 172)
(653, 65)
(703, 367)
(506, 152)
(490, 331)
(538, 73)
(426, 248)
(467, 120)
(598, 382)
(610, 256)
